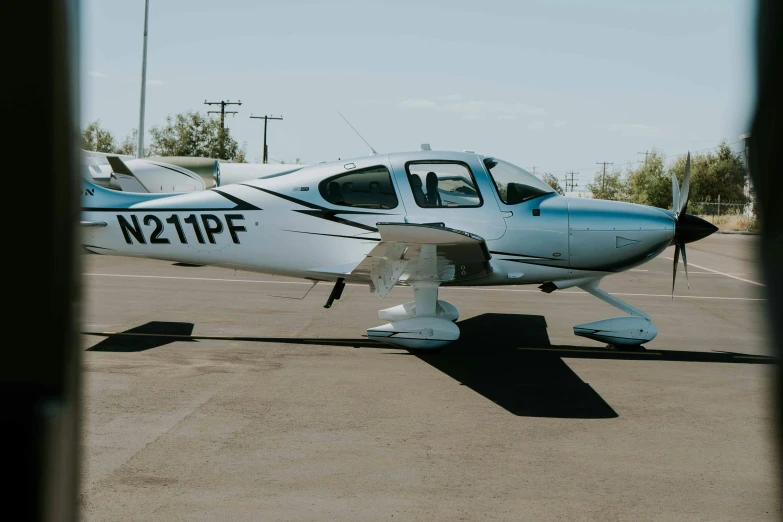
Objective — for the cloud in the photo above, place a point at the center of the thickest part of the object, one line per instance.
(536, 125)
(558, 124)
(636, 130)
(370, 103)
(418, 104)
(473, 110)
(98, 74)
(155, 82)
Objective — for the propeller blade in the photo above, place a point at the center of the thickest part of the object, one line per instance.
(675, 194)
(686, 185)
(685, 262)
(676, 262)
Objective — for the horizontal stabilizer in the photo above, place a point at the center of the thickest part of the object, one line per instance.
(125, 178)
(97, 197)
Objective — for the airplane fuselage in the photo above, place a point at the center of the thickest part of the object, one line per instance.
(288, 226)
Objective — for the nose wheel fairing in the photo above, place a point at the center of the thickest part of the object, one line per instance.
(632, 330)
(625, 330)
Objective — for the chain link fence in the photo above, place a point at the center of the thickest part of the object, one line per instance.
(725, 215)
(718, 208)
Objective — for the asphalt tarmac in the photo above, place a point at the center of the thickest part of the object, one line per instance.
(211, 394)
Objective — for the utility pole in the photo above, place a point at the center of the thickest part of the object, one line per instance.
(140, 145)
(222, 113)
(534, 170)
(603, 179)
(570, 183)
(266, 119)
(645, 155)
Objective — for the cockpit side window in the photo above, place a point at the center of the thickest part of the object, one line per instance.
(439, 184)
(366, 188)
(515, 185)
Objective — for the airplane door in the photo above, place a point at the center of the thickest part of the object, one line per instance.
(448, 188)
(537, 219)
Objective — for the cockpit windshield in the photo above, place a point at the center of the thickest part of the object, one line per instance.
(514, 184)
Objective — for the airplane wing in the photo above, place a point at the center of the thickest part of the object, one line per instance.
(410, 252)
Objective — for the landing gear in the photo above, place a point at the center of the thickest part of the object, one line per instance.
(423, 324)
(626, 332)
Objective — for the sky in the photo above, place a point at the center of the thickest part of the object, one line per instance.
(557, 85)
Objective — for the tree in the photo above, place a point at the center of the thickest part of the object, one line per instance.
(241, 156)
(720, 174)
(128, 144)
(193, 134)
(651, 183)
(612, 186)
(97, 139)
(551, 180)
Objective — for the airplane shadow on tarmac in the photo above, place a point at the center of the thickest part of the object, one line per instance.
(144, 337)
(487, 359)
(506, 358)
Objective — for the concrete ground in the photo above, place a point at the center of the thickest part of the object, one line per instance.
(238, 399)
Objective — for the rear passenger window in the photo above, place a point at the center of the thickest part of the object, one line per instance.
(367, 188)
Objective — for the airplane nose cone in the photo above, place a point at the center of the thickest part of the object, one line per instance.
(693, 228)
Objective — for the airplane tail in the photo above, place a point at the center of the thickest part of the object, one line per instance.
(97, 197)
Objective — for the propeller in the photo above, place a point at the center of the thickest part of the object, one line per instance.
(680, 205)
(687, 228)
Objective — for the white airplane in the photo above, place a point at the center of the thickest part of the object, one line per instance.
(423, 219)
(172, 174)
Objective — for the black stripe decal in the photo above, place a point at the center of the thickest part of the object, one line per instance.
(161, 209)
(329, 215)
(334, 235)
(323, 212)
(165, 166)
(241, 204)
(564, 267)
(289, 198)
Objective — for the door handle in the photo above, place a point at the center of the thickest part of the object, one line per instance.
(506, 213)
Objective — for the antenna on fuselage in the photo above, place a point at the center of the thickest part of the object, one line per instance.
(374, 152)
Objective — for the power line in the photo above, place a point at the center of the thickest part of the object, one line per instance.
(570, 183)
(266, 119)
(636, 162)
(603, 179)
(222, 113)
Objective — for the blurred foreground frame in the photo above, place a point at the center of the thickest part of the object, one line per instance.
(40, 368)
(39, 372)
(766, 169)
